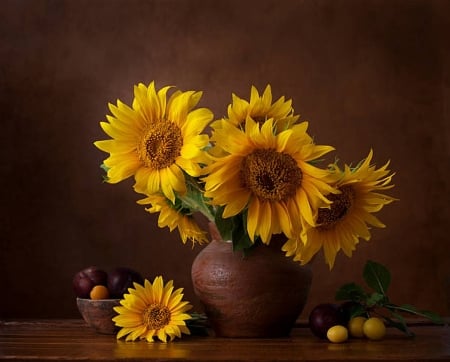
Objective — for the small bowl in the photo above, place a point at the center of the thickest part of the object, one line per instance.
(98, 314)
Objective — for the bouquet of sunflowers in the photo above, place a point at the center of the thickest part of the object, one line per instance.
(254, 173)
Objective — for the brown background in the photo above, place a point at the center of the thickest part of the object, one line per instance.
(365, 73)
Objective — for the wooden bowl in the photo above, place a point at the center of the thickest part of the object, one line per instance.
(98, 314)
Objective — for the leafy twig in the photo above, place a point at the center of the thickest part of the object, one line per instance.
(378, 278)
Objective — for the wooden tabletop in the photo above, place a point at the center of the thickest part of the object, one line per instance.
(72, 340)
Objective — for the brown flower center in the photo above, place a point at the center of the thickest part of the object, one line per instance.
(258, 119)
(341, 205)
(156, 316)
(161, 145)
(271, 175)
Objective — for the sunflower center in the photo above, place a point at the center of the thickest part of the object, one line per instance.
(258, 119)
(271, 175)
(156, 316)
(161, 145)
(342, 203)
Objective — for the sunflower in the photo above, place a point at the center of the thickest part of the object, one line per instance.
(267, 176)
(172, 218)
(260, 108)
(156, 140)
(153, 310)
(347, 219)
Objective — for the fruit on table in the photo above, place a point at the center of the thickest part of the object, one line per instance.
(323, 317)
(355, 326)
(337, 334)
(99, 292)
(86, 279)
(374, 328)
(120, 279)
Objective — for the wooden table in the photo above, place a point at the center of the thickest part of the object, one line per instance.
(72, 340)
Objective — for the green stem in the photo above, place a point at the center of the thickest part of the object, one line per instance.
(195, 205)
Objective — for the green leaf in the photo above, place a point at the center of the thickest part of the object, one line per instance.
(351, 291)
(239, 235)
(399, 323)
(241, 242)
(198, 324)
(407, 308)
(225, 226)
(193, 201)
(357, 310)
(377, 276)
(376, 299)
(104, 167)
(434, 317)
(233, 229)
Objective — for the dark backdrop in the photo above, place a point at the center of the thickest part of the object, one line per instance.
(366, 74)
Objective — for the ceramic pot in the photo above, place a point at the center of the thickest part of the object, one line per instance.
(259, 294)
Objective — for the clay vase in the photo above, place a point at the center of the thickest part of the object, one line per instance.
(259, 294)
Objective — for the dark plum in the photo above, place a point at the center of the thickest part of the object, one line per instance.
(323, 317)
(120, 279)
(86, 279)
